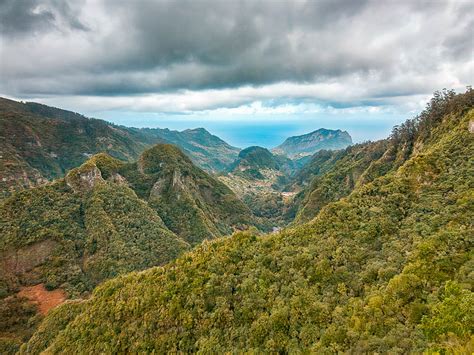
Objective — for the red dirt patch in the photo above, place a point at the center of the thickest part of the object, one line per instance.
(45, 299)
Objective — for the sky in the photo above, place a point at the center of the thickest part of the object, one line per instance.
(252, 72)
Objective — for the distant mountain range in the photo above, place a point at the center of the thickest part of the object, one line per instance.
(310, 143)
(39, 143)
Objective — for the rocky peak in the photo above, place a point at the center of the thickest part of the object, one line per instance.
(84, 178)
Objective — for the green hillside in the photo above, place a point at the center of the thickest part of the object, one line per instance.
(72, 235)
(331, 175)
(207, 151)
(39, 143)
(388, 268)
(191, 203)
(252, 160)
(106, 218)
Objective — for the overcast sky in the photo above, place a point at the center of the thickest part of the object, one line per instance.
(356, 65)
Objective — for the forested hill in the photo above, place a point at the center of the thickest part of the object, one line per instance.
(388, 268)
(39, 143)
(190, 201)
(252, 161)
(103, 219)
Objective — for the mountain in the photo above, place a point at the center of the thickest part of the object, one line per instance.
(39, 143)
(103, 219)
(207, 151)
(191, 202)
(310, 143)
(253, 160)
(388, 268)
(71, 235)
(331, 175)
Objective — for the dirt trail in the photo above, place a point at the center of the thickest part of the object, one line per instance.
(45, 299)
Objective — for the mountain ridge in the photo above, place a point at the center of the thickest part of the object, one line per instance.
(40, 143)
(310, 143)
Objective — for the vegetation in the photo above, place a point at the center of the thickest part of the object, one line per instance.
(73, 239)
(387, 268)
(334, 175)
(257, 176)
(106, 218)
(191, 202)
(39, 143)
(330, 176)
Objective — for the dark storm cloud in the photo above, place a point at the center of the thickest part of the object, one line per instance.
(210, 44)
(19, 17)
(115, 47)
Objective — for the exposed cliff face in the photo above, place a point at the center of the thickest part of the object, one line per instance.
(84, 178)
(310, 143)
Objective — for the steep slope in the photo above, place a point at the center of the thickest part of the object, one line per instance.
(73, 234)
(39, 143)
(330, 176)
(105, 218)
(310, 143)
(191, 202)
(386, 269)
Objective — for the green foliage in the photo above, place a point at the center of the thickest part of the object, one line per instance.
(75, 238)
(18, 321)
(257, 157)
(91, 226)
(386, 269)
(451, 319)
(191, 202)
(41, 143)
(334, 175)
(56, 321)
(91, 236)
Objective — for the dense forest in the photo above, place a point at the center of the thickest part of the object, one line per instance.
(379, 259)
(103, 219)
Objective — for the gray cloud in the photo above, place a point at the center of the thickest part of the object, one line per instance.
(28, 17)
(114, 47)
(21, 17)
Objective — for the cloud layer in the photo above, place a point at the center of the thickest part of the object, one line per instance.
(186, 56)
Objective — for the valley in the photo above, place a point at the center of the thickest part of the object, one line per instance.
(152, 239)
(236, 177)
